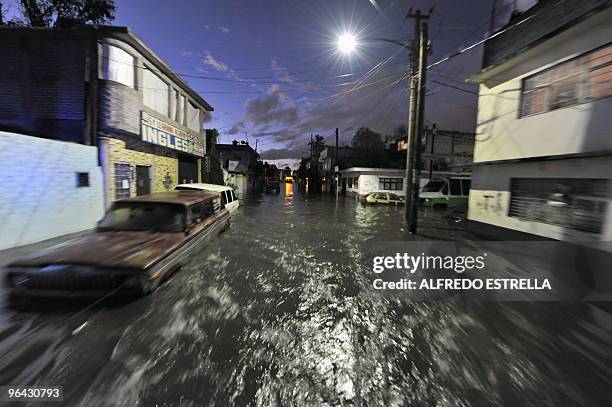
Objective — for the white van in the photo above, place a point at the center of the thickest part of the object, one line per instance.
(227, 196)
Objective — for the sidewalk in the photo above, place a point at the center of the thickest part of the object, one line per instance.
(14, 253)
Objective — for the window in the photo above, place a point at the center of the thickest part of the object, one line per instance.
(181, 110)
(455, 187)
(394, 197)
(465, 185)
(349, 182)
(82, 179)
(118, 65)
(174, 104)
(582, 79)
(156, 92)
(223, 199)
(574, 203)
(208, 209)
(381, 196)
(233, 195)
(433, 186)
(356, 182)
(193, 117)
(195, 214)
(391, 184)
(144, 216)
(122, 180)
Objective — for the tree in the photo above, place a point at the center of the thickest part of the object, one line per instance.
(64, 13)
(318, 145)
(367, 138)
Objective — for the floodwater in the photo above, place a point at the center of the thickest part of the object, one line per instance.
(272, 314)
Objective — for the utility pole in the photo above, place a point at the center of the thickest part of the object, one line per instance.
(418, 68)
(336, 168)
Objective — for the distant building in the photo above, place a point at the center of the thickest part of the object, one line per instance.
(239, 161)
(543, 155)
(102, 86)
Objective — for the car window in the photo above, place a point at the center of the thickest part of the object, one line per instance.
(223, 199)
(195, 214)
(233, 195)
(144, 216)
(381, 196)
(444, 189)
(455, 187)
(208, 209)
(466, 183)
(394, 197)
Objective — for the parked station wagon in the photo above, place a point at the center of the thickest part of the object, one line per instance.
(226, 196)
(139, 243)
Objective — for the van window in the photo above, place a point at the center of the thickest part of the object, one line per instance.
(233, 195)
(433, 186)
(466, 183)
(223, 199)
(455, 186)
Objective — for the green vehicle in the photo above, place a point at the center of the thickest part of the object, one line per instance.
(446, 192)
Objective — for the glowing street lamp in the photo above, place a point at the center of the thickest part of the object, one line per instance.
(347, 43)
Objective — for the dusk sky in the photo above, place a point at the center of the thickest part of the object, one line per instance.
(273, 69)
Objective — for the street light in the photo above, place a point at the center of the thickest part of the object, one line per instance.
(418, 48)
(347, 43)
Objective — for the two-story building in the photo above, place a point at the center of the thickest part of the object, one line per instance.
(543, 152)
(102, 86)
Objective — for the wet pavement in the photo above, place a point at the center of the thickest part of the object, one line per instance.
(272, 314)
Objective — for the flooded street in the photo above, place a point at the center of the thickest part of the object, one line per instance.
(273, 313)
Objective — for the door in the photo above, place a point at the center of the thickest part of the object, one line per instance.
(143, 180)
(188, 169)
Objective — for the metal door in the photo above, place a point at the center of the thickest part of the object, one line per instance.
(143, 180)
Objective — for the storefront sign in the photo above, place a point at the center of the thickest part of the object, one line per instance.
(161, 133)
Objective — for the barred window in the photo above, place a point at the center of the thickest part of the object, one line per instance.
(582, 79)
(122, 180)
(575, 203)
(391, 184)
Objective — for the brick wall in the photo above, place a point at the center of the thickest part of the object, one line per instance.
(39, 198)
(126, 149)
(42, 86)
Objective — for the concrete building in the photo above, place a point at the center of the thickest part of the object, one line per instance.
(102, 86)
(239, 161)
(543, 154)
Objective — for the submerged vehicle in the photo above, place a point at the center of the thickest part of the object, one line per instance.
(451, 191)
(382, 198)
(226, 197)
(140, 242)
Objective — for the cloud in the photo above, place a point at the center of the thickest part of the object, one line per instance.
(269, 109)
(233, 130)
(283, 154)
(207, 27)
(215, 63)
(223, 29)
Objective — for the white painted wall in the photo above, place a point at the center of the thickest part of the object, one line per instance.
(502, 135)
(39, 198)
(490, 196)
